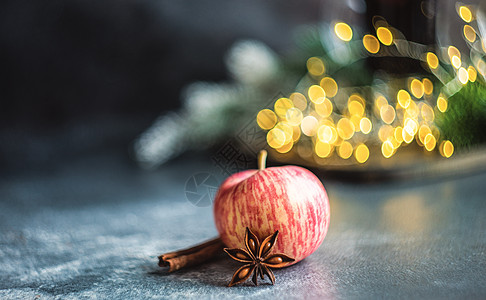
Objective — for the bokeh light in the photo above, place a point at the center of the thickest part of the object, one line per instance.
(371, 43)
(315, 66)
(309, 125)
(384, 35)
(428, 86)
(362, 153)
(324, 109)
(343, 31)
(463, 75)
(323, 149)
(442, 104)
(417, 88)
(432, 60)
(465, 14)
(469, 33)
(266, 119)
(330, 86)
(299, 101)
(387, 114)
(345, 150)
(276, 138)
(316, 94)
(345, 128)
(294, 116)
(365, 125)
(403, 98)
(281, 107)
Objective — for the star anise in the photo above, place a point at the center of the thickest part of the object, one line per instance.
(258, 258)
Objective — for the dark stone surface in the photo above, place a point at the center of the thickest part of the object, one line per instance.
(94, 227)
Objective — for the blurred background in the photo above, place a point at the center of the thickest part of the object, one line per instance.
(85, 77)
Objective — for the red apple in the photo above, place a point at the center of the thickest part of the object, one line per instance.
(289, 199)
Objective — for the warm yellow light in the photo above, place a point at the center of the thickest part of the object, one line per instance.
(396, 144)
(324, 109)
(276, 138)
(365, 125)
(429, 142)
(315, 66)
(343, 31)
(266, 119)
(384, 35)
(387, 114)
(472, 74)
(371, 43)
(345, 150)
(355, 108)
(469, 33)
(299, 101)
(398, 134)
(456, 61)
(362, 153)
(417, 88)
(296, 133)
(309, 125)
(432, 60)
(465, 14)
(380, 101)
(285, 148)
(287, 129)
(385, 132)
(316, 94)
(387, 149)
(411, 124)
(423, 131)
(323, 149)
(412, 110)
(447, 149)
(345, 129)
(453, 51)
(325, 134)
(442, 104)
(407, 135)
(427, 113)
(281, 106)
(294, 116)
(355, 119)
(357, 97)
(330, 86)
(428, 86)
(403, 98)
(463, 76)
(481, 67)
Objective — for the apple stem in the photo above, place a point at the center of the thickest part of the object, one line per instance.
(262, 159)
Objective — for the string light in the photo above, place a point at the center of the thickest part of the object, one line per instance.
(392, 123)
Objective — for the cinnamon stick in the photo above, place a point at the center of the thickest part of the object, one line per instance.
(192, 256)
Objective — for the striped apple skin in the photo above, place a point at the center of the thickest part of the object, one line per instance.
(289, 199)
